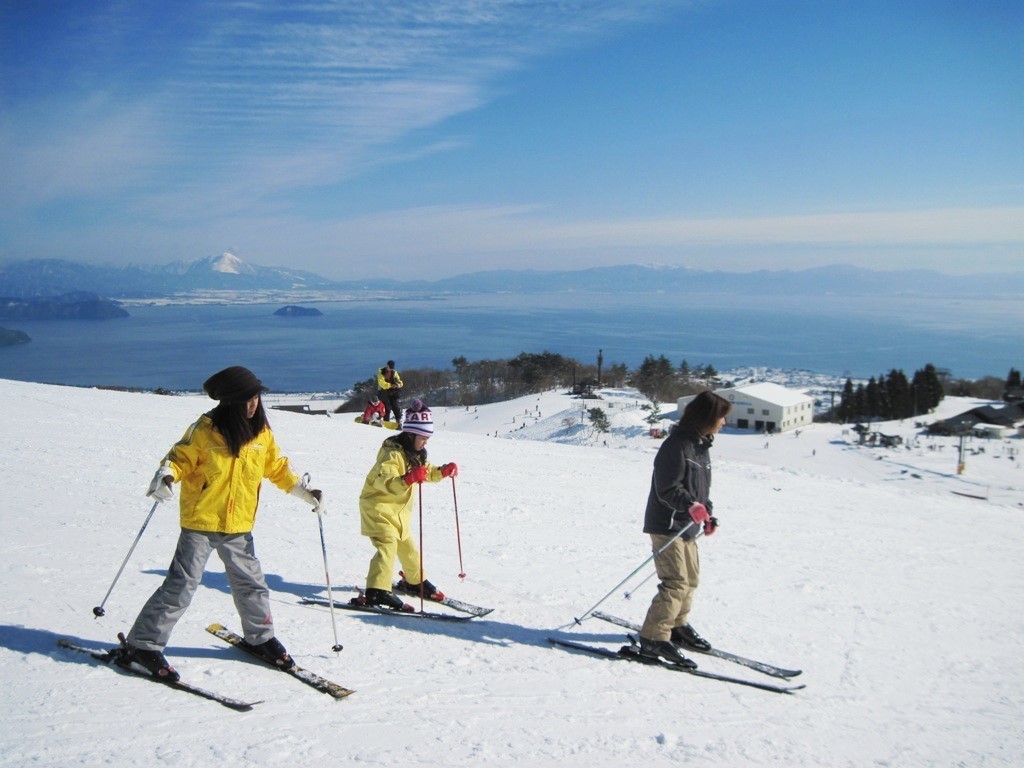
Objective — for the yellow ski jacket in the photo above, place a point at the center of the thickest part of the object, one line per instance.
(385, 505)
(383, 383)
(220, 493)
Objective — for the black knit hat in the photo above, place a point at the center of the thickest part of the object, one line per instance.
(233, 385)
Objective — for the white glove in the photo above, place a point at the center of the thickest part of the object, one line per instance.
(160, 486)
(312, 496)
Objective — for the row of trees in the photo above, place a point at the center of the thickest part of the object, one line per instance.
(888, 396)
(488, 381)
(891, 396)
(987, 387)
(661, 382)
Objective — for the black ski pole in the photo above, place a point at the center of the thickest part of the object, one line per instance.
(635, 571)
(98, 610)
(628, 595)
(458, 534)
(337, 647)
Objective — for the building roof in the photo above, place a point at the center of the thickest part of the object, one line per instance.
(772, 393)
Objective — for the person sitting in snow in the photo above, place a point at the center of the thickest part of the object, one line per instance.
(678, 501)
(220, 462)
(385, 511)
(375, 411)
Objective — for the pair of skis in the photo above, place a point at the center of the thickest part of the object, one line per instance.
(631, 653)
(114, 655)
(466, 611)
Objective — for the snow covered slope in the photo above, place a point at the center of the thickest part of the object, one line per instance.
(898, 598)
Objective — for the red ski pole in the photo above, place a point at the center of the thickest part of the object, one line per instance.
(422, 579)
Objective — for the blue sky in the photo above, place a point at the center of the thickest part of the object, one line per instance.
(356, 138)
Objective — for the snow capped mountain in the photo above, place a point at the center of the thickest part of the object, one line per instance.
(227, 263)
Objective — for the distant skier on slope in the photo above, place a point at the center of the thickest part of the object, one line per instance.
(385, 509)
(680, 482)
(220, 462)
(389, 388)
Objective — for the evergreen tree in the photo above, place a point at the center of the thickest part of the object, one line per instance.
(847, 410)
(884, 405)
(860, 402)
(900, 400)
(599, 420)
(653, 414)
(928, 391)
(656, 379)
(1013, 379)
(871, 399)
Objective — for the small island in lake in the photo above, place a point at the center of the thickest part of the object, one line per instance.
(10, 337)
(294, 311)
(79, 305)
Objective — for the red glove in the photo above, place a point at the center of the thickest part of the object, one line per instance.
(710, 526)
(450, 470)
(698, 513)
(415, 475)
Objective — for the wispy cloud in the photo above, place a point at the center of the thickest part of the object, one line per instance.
(244, 100)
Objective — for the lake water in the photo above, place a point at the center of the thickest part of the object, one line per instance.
(178, 347)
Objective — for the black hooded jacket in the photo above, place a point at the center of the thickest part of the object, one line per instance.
(682, 475)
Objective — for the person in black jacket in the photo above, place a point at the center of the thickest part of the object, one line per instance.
(677, 507)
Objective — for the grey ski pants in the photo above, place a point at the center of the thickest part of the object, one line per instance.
(153, 627)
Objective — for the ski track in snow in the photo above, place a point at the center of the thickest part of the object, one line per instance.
(898, 599)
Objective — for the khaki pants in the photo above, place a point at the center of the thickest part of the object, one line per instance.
(382, 565)
(678, 568)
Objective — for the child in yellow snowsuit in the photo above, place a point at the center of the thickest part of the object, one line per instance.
(385, 509)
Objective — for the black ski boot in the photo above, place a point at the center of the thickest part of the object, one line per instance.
(384, 599)
(430, 592)
(687, 636)
(664, 649)
(274, 652)
(152, 662)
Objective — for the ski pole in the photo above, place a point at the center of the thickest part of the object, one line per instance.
(630, 593)
(337, 647)
(422, 579)
(635, 571)
(458, 534)
(98, 610)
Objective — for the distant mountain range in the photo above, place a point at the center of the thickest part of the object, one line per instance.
(53, 277)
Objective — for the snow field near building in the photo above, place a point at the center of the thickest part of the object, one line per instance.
(899, 598)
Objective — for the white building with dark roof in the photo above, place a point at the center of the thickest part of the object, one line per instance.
(764, 407)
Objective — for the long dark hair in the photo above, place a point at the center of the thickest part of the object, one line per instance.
(404, 440)
(703, 412)
(229, 419)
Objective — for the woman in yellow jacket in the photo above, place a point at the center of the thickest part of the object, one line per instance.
(385, 510)
(220, 462)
